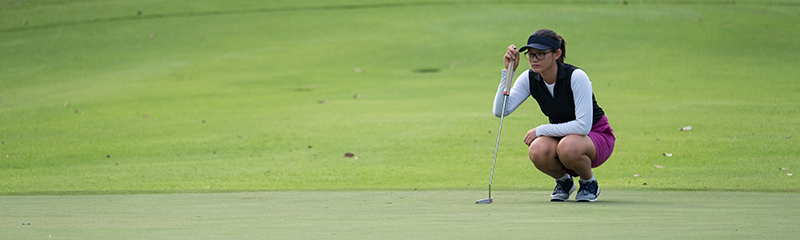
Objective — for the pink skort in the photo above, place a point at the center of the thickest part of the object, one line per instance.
(603, 138)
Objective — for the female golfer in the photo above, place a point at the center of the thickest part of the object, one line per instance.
(578, 137)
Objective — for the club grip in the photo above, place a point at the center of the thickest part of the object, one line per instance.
(509, 77)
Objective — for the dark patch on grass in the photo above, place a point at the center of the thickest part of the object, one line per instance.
(302, 89)
(427, 70)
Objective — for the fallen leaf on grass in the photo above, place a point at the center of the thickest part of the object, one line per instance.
(783, 168)
(358, 70)
(145, 117)
(152, 36)
(324, 101)
(787, 136)
(349, 155)
(108, 156)
(66, 104)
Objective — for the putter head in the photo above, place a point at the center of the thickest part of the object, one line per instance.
(484, 201)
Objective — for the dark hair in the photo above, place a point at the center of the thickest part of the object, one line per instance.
(549, 33)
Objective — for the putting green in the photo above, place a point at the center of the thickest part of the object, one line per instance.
(402, 215)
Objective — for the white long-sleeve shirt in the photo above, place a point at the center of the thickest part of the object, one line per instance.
(582, 94)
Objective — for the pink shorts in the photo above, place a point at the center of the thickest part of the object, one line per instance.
(603, 138)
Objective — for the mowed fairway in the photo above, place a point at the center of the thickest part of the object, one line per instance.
(198, 96)
(209, 119)
(402, 215)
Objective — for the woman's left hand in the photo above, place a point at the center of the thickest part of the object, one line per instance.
(530, 137)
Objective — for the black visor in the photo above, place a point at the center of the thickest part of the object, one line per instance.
(540, 42)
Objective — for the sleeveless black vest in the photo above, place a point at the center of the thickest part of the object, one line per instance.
(561, 108)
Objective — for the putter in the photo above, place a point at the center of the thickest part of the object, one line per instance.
(509, 77)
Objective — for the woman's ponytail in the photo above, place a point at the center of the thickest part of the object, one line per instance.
(551, 34)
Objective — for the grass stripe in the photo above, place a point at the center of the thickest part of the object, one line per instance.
(403, 215)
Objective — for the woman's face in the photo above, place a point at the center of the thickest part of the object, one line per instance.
(542, 60)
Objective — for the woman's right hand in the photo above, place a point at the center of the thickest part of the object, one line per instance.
(530, 136)
(511, 57)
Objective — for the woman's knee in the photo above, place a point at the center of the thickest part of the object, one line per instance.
(542, 150)
(574, 147)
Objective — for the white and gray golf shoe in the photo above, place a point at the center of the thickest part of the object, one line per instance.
(563, 189)
(588, 192)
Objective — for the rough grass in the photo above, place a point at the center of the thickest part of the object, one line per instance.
(204, 96)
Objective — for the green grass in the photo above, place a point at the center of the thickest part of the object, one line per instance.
(219, 104)
(401, 215)
(232, 94)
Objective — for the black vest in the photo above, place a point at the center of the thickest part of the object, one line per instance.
(560, 109)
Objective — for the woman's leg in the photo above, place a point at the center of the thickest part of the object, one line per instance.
(576, 152)
(543, 153)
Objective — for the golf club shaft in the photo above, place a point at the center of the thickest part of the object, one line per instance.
(506, 89)
(497, 143)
